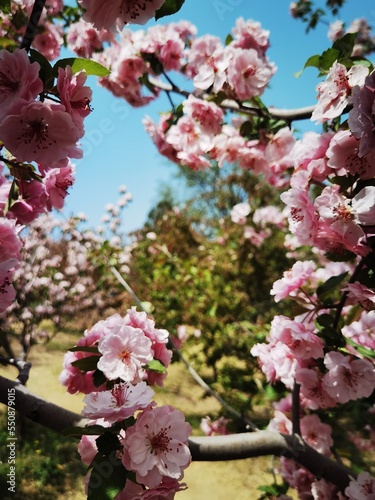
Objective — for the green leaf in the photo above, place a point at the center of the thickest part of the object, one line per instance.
(325, 320)
(326, 60)
(5, 6)
(99, 378)
(107, 443)
(107, 478)
(168, 8)
(229, 39)
(86, 364)
(12, 196)
(90, 430)
(46, 71)
(156, 366)
(330, 285)
(84, 348)
(312, 61)
(344, 45)
(78, 64)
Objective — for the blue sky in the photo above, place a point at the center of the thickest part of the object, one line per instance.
(118, 151)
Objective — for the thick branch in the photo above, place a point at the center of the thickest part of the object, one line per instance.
(37, 409)
(283, 114)
(213, 448)
(32, 26)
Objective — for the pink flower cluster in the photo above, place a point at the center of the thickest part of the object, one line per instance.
(109, 13)
(125, 347)
(35, 129)
(155, 447)
(241, 69)
(49, 36)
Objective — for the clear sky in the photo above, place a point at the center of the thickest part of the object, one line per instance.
(118, 151)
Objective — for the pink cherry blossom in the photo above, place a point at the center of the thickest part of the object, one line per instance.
(278, 150)
(303, 220)
(240, 212)
(40, 131)
(334, 92)
(119, 403)
(336, 30)
(18, 79)
(216, 427)
(83, 39)
(49, 41)
(208, 114)
(31, 202)
(157, 134)
(73, 378)
(360, 294)
(348, 378)
(269, 215)
(299, 337)
(87, 449)
(159, 338)
(124, 353)
(313, 390)
(346, 216)
(10, 244)
(248, 74)
(361, 117)
(343, 156)
(309, 155)
(156, 446)
(362, 331)
(207, 63)
(250, 35)
(166, 490)
(362, 488)
(57, 181)
(292, 280)
(106, 13)
(74, 95)
(317, 434)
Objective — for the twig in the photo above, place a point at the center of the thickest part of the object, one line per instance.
(230, 105)
(341, 304)
(296, 409)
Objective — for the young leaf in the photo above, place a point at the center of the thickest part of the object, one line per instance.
(107, 443)
(330, 285)
(84, 348)
(91, 430)
(86, 364)
(99, 378)
(155, 366)
(78, 64)
(168, 8)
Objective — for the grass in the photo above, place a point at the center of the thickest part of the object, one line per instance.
(49, 468)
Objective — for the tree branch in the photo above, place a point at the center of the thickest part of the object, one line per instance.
(32, 25)
(283, 114)
(203, 448)
(23, 367)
